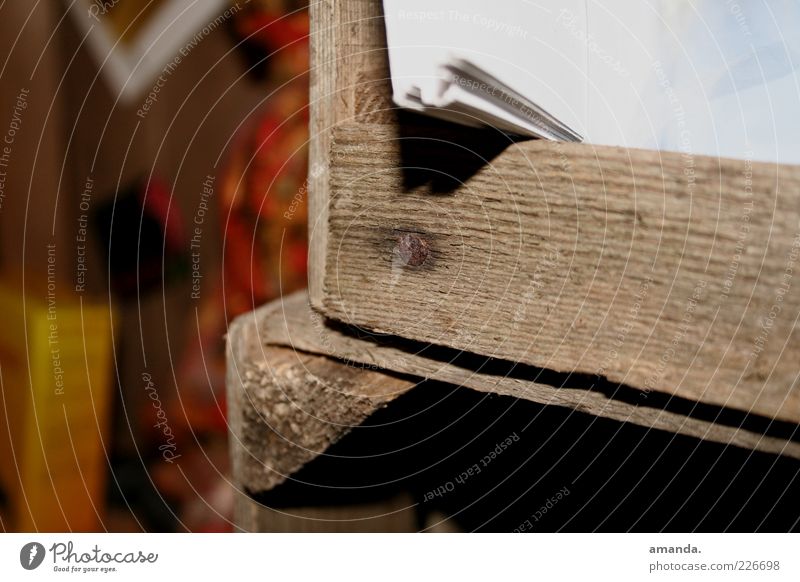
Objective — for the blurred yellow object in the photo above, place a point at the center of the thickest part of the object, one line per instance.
(55, 383)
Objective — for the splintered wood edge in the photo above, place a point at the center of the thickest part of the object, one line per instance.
(290, 323)
(348, 57)
(286, 407)
(323, 77)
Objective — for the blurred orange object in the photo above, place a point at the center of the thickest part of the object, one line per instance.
(56, 380)
(264, 192)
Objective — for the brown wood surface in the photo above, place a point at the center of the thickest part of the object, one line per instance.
(348, 75)
(290, 322)
(575, 258)
(665, 272)
(286, 407)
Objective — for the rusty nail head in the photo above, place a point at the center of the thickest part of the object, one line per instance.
(413, 250)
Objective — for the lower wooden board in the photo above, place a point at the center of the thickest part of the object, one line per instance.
(298, 383)
(286, 407)
(671, 274)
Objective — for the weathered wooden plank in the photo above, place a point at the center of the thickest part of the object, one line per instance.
(290, 322)
(287, 407)
(348, 60)
(665, 272)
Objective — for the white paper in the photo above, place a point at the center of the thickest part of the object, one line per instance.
(517, 42)
(712, 77)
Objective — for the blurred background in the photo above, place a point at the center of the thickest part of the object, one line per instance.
(147, 149)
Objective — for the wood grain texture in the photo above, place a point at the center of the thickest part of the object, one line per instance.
(290, 322)
(285, 407)
(348, 59)
(664, 272)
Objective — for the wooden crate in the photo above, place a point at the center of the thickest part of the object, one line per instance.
(667, 273)
(650, 288)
